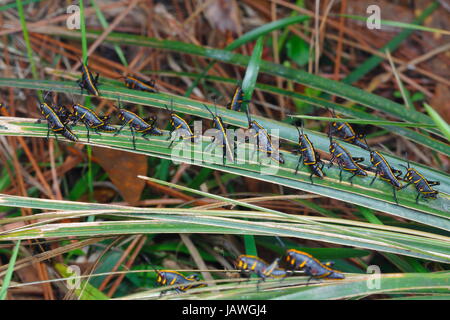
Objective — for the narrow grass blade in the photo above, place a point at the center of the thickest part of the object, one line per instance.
(26, 38)
(7, 279)
(440, 123)
(377, 197)
(238, 119)
(248, 84)
(370, 122)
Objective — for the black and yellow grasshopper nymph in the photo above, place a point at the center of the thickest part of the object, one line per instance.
(344, 131)
(387, 173)
(311, 266)
(137, 124)
(63, 113)
(54, 123)
(228, 150)
(91, 120)
(345, 161)
(237, 100)
(262, 269)
(423, 186)
(87, 80)
(140, 84)
(179, 126)
(169, 278)
(309, 156)
(263, 140)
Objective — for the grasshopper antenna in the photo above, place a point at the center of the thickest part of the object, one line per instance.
(215, 105)
(150, 263)
(299, 133)
(365, 140)
(329, 133)
(118, 106)
(212, 114)
(248, 117)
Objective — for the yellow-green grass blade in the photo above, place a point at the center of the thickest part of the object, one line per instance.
(250, 36)
(8, 276)
(363, 121)
(399, 24)
(440, 123)
(411, 134)
(26, 38)
(378, 196)
(168, 220)
(238, 119)
(297, 288)
(355, 232)
(248, 85)
(251, 73)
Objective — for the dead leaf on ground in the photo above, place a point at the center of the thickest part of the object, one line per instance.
(123, 169)
(224, 15)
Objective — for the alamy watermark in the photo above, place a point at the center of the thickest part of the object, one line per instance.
(374, 280)
(73, 280)
(374, 20)
(73, 21)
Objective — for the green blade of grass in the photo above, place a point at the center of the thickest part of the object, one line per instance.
(381, 238)
(85, 60)
(399, 24)
(250, 36)
(440, 123)
(16, 5)
(26, 38)
(378, 196)
(363, 121)
(248, 86)
(249, 82)
(83, 32)
(322, 103)
(188, 223)
(238, 119)
(353, 286)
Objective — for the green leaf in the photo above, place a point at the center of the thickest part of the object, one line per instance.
(378, 196)
(187, 220)
(250, 36)
(248, 84)
(297, 50)
(440, 123)
(399, 24)
(371, 122)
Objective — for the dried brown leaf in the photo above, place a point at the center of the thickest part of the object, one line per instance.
(224, 15)
(123, 169)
